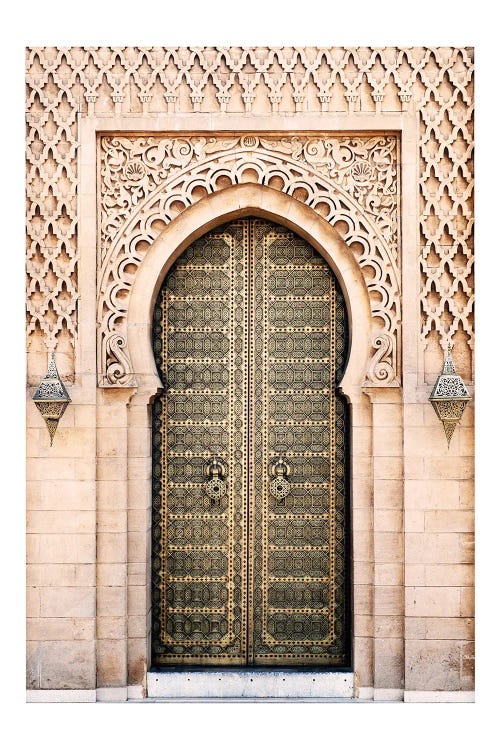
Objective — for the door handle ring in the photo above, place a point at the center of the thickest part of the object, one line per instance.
(216, 487)
(280, 486)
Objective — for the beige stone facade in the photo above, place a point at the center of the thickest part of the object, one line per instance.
(132, 153)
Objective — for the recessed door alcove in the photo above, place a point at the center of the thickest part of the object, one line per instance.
(250, 541)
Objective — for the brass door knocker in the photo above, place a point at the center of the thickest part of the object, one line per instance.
(216, 486)
(280, 486)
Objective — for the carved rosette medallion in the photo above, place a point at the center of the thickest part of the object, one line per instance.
(145, 182)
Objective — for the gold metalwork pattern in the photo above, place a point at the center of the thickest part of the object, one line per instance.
(250, 338)
(297, 572)
(199, 545)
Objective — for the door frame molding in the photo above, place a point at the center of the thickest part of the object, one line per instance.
(123, 461)
(218, 208)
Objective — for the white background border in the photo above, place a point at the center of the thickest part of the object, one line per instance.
(324, 22)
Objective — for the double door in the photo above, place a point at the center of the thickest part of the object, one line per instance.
(250, 455)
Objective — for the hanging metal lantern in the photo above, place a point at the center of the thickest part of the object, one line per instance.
(449, 397)
(51, 398)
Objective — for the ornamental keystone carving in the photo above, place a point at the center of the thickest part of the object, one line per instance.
(145, 182)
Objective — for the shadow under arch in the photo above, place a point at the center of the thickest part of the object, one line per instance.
(220, 207)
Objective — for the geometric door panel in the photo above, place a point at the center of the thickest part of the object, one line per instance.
(250, 455)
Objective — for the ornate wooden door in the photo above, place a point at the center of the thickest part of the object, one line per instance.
(250, 455)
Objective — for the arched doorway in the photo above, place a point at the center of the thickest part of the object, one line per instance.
(250, 455)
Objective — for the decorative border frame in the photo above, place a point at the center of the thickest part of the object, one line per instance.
(351, 181)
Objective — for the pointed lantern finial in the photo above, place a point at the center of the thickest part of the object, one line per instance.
(51, 398)
(449, 396)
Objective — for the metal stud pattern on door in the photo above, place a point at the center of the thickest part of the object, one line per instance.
(250, 455)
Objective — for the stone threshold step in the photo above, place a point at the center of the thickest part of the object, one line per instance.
(248, 683)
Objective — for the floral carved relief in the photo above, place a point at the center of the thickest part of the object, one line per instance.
(352, 181)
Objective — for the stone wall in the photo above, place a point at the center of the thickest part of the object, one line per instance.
(89, 494)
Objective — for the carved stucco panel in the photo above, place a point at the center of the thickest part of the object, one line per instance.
(435, 84)
(351, 181)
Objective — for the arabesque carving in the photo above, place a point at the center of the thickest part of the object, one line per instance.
(351, 181)
(435, 84)
(446, 208)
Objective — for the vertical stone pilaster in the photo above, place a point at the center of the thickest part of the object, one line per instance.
(361, 537)
(139, 535)
(112, 528)
(388, 548)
